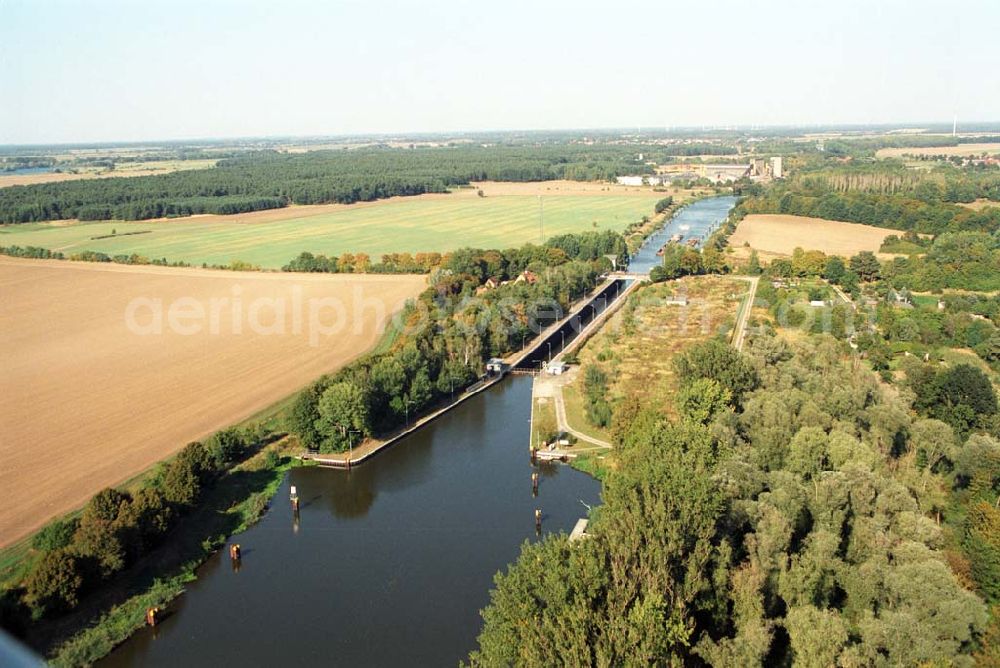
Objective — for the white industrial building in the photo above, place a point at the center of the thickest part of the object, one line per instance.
(640, 180)
(776, 167)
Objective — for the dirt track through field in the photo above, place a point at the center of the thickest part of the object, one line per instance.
(87, 402)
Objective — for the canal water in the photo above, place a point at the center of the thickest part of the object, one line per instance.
(546, 348)
(695, 221)
(388, 564)
(27, 170)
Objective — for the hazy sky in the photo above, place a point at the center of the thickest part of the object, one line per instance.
(150, 69)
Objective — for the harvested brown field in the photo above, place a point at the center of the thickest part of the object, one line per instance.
(92, 395)
(992, 148)
(777, 235)
(45, 177)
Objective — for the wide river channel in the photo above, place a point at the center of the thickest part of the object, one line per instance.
(390, 563)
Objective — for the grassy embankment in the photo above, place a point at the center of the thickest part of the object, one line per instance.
(636, 346)
(233, 505)
(110, 614)
(544, 426)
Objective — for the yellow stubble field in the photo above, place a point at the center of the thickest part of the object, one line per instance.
(108, 369)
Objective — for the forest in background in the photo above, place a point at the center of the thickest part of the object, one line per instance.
(269, 179)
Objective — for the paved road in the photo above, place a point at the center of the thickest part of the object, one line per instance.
(564, 423)
(739, 338)
(551, 388)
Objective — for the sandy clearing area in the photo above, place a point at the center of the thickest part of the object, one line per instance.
(979, 204)
(776, 235)
(962, 150)
(87, 401)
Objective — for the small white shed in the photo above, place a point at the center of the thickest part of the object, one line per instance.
(557, 367)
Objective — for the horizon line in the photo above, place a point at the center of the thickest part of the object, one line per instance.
(623, 129)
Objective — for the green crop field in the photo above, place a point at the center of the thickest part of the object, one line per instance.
(397, 226)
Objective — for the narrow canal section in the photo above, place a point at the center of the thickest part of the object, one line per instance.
(694, 223)
(552, 344)
(388, 564)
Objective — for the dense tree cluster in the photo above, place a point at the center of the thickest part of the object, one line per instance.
(391, 263)
(886, 199)
(36, 252)
(117, 527)
(961, 396)
(31, 252)
(663, 204)
(449, 333)
(794, 524)
(267, 180)
(965, 260)
(702, 148)
(591, 245)
(586, 246)
(677, 261)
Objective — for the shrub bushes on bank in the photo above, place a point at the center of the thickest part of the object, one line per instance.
(117, 527)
